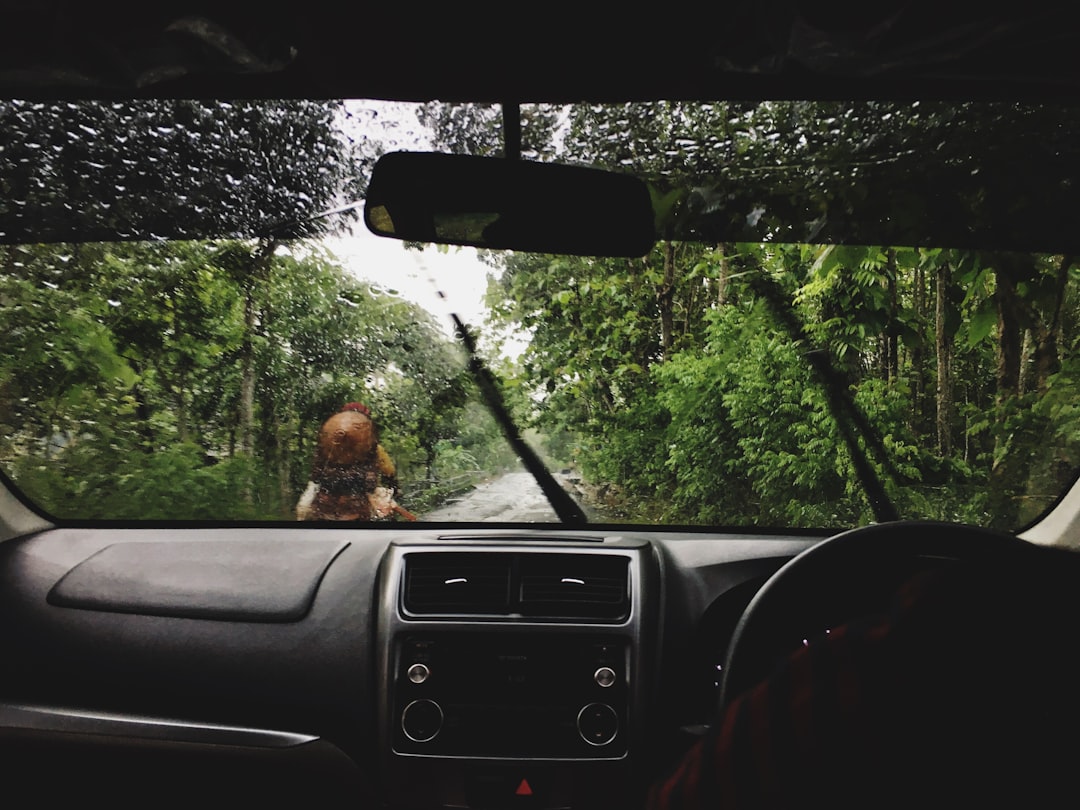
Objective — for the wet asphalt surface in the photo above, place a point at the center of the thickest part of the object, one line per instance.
(512, 498)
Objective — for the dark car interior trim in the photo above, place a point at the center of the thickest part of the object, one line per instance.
(224, 580)
(50, 719)
(74, 675)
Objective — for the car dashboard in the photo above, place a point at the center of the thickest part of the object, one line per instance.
(420, 668)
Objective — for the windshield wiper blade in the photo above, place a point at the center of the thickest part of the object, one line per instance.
(843, 407)
(565, 508)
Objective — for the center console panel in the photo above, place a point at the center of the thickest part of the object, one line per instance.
(505, 694)
(513, 669)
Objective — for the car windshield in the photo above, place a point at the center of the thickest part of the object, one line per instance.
(197, 326)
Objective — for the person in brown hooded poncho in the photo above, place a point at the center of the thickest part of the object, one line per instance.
(352, 476)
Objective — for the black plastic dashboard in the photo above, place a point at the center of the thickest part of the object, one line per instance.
(270, 660)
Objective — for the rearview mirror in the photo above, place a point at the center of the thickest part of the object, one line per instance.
(509, 204)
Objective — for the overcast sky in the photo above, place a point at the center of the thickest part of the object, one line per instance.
(418, 275)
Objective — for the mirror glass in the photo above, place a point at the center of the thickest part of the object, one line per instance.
(509, 204)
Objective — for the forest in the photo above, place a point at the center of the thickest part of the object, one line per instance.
(181, 378)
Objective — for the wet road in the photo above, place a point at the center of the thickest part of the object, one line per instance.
(511, 498)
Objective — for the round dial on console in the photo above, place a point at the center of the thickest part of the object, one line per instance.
(422, 720)
(597, 724)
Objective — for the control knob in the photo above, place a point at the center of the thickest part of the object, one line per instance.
(597, 723)
(422, 720)
(418, 673)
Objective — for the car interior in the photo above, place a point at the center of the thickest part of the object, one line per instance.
(571, 660)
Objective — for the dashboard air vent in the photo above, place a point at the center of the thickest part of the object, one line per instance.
(452, 583)
(578, 585)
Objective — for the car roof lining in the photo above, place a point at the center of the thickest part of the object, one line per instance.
(185, 49)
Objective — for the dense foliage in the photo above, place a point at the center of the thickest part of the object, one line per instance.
(186, 379)
(695, 403)
(123, 388)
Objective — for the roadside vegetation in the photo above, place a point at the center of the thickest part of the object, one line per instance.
(186, 379)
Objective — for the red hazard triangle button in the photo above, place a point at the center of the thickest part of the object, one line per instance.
(524, 789)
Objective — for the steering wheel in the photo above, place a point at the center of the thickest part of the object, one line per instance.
(835, 566)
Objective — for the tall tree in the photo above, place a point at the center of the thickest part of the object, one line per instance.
(943, 347)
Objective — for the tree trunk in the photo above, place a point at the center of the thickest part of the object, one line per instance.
(1009, 470)
(142, 409)
(260, 271)
(247, 375)
(1047, 361)
(689, 307)
(722, 277)
(1009, 337)
(944, 364)
(284, 478)
(665, 298)
(917, 353)
(892, 340)
(274, 450)
(183, 430)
